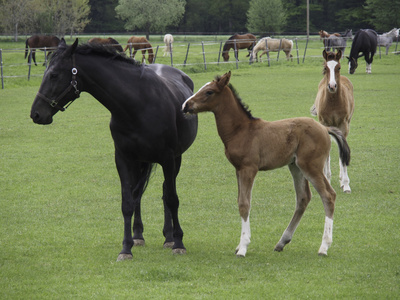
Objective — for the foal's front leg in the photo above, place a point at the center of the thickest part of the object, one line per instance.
(245, 179)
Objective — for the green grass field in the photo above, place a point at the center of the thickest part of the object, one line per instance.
(61, 226)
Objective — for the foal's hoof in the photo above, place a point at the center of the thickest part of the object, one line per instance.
(346, 189)
(124, 256)
(179, 251)
(168, 244)
(138, 242)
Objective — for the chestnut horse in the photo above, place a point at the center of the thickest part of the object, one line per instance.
(334, 106)
(41, 41)
(253, 144)
(324, 35)
(108, 41)
(236, 42)
(140, 43)
(274, 45)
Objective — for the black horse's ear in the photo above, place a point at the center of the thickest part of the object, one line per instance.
(71, 49)
(348, 57)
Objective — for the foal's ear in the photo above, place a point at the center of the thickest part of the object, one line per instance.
(224, 80)
(71, 49)
(325, 54)
(339, 55)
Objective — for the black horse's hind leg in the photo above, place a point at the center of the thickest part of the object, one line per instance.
(171, 169)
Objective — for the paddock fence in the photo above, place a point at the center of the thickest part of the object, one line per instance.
(189, 56)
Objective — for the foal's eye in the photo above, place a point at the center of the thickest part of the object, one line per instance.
(209, 93)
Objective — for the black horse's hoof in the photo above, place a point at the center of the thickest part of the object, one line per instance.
(124, 256)
(179, 251)
(138, 242)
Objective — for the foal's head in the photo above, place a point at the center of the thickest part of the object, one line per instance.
(332, 69)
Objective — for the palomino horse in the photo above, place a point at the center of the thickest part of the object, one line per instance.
(236, 42)
(365, 41)
(147, 124)
(334, 106)
(41, 41)
(275, 45)
(339, 42)
(108, 41)
(140, 43)
(252, 144)
(386, 39)
(168, 41)
(324, 35)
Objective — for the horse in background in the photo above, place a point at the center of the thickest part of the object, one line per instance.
(168, 41)
(41, 41)
(108, 41)
(142, 44)
(268, 44)
(253, 145)
(365, 41)
(339, 42)
(324, 35)
(386, 39)
(236, 42)
(334, 106)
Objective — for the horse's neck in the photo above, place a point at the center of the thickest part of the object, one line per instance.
(229, 116)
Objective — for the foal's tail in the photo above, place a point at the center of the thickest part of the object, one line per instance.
(344, 149)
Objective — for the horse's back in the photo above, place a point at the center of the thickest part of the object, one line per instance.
(365, 40)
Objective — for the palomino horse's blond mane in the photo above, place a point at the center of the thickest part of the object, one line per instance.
(252, 145)
(334, 105)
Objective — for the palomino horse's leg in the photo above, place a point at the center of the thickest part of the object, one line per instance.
(245, 179)
(303, 197)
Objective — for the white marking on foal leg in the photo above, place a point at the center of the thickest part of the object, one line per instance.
(344, 178)
(327, 237)
(244, 238)
(327, 168)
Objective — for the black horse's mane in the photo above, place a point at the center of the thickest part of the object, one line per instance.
(103, 51)
(244, 106)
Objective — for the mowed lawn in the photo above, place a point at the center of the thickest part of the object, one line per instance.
(61, 226)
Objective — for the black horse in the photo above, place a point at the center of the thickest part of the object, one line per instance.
(147, 124)
(365, 41)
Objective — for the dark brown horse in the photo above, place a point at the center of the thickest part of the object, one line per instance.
(108, 41)
(236, 42)
(253, 145)
(140, 43)
(41, 41)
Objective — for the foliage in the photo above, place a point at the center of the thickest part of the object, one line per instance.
(266, 16)
(385, 14)
(150, 15)
(103, 17)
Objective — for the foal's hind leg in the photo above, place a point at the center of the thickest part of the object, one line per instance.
(303, 197)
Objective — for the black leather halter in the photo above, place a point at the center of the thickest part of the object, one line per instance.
(73, 85)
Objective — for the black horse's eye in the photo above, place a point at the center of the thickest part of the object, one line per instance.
(53, 76)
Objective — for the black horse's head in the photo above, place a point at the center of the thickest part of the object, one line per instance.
(352, 64)
(59, 85)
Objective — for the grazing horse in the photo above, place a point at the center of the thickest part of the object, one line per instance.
(324, 35)
(253, 144)
(41, 41)
(108, 41)
(168, 41)
(140, 43)
(274, 45)
(236, 42)
(334, 106)
(386, 39)
(339, 42)
(365, 41)
(147, 124)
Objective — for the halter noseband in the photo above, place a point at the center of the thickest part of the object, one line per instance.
(73, 84)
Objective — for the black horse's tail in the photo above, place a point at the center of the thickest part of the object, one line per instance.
(344, 149)
(146, 170)
(26, 47)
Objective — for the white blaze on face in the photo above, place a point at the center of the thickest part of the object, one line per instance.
(188, 99)
(331, 66)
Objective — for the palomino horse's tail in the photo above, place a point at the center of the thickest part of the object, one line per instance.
(26, 47)
(344, 149)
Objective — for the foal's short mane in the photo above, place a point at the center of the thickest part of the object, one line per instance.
(239, 101)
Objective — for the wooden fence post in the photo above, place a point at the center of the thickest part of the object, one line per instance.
(204, 56)
(187, 52)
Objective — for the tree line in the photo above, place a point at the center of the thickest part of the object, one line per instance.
(192, 16)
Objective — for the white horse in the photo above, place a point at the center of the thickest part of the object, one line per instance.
(386, 39)
(273, 45)
(168, 41)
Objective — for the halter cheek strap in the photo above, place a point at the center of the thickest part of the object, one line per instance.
(73, 85)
